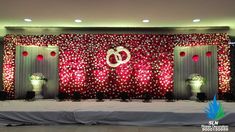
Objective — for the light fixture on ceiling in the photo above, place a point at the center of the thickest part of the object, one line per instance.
(77, 20)
(196, 20)
(28, 20)
(145, 20)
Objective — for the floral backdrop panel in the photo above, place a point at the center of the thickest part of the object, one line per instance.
(115, 63)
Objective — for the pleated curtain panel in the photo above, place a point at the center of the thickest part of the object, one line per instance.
(34, 59)
(201, 60)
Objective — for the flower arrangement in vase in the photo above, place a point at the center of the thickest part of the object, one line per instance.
(195, 81)
(38, 80)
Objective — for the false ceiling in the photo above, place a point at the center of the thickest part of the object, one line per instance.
(117, 13)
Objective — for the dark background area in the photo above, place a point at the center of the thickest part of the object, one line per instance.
(232, 59)
(1, 62)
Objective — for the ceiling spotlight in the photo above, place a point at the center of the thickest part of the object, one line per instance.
(78, 20)
(28, 20)
(145, 21)
(196, 20)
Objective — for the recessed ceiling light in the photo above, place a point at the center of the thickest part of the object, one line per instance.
(196, 20)
(28, 20)
(78, 20)
(145, 21)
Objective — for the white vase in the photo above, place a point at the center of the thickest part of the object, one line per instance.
(195, 88)
(37, 87)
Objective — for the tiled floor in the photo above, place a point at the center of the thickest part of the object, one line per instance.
(101, 128)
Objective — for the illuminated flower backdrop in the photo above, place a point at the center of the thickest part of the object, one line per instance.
(83, 66)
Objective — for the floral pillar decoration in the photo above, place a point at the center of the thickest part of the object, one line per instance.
(10, 43)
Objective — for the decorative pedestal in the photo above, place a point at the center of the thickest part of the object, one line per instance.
(195, 88)
(37, 88)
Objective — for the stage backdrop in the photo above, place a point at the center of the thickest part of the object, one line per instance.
(34, 59)
(201, 60)
(95, 62)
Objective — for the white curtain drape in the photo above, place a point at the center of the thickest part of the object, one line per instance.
(27, 65)
(206, 67)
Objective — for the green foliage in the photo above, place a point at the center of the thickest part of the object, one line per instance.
(38, 76)
(196, 77)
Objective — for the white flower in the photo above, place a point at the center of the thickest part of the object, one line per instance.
(37, 76)
(196, 77)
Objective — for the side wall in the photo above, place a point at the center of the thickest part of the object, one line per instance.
(232, 59)
(1, 62)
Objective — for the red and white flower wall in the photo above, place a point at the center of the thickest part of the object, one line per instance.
(83, 66)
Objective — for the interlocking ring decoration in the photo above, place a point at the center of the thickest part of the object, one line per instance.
(118, 56)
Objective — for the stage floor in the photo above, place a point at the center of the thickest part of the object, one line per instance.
(158, 112)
